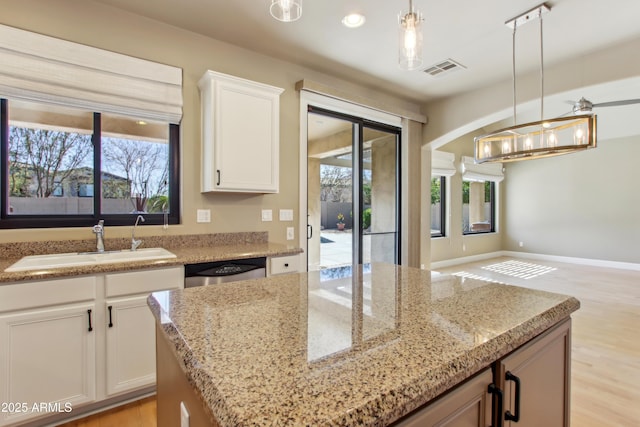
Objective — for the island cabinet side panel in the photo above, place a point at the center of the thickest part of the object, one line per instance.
(536, 380)
(173, 388)
(469, 404)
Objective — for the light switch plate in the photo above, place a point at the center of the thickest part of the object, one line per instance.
(286, 214)
(290, 233)
(267, 215)
(203, 215)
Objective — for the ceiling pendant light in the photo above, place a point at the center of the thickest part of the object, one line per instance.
(410, 40)
(534, 140)
(286, 10)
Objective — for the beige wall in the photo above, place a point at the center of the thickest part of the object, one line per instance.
(584, 205)
(455, 244)
(97, 25)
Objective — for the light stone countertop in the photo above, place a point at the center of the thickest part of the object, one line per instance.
(189, 249)
(295, 350)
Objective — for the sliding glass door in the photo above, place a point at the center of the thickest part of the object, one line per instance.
(352, 191)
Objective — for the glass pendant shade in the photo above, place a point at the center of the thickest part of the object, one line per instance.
(538, 139)
(410, 40)
(286, 10)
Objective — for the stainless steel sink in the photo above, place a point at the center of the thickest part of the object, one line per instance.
(75, 259)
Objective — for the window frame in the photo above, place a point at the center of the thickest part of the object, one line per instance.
(10, 221)
(443, 205)
(492, 210)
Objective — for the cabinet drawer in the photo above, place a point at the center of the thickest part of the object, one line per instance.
(283, 265)
(66, 290)
(143, 281)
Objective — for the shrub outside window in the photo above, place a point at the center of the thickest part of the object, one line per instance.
(438, 206)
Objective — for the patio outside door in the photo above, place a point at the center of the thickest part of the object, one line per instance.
(352, 191)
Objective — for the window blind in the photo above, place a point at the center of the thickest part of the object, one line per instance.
(442, 163)
(483, 172)
(40, 68)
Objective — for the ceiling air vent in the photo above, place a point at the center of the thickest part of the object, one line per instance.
(444, 68)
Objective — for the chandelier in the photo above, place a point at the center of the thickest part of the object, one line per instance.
(543, 138)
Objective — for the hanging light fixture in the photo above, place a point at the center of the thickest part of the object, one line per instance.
(286, 10)
(410, 40)
(534, 140)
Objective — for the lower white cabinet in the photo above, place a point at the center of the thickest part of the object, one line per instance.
(48, 358)
(65, 343)
(131, 355)
(284, 265)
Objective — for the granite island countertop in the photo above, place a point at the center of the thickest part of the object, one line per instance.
(301, 349)
(189, 249)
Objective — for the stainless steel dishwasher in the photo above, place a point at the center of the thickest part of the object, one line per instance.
(211, 273)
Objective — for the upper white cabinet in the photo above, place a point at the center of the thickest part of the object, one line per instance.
(240, 134)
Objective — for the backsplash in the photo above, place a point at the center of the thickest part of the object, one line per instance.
(20, 249)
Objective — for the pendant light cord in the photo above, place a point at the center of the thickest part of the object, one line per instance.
(541, 69)
(513, 70)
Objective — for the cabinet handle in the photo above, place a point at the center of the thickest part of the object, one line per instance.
(309, 231)
(218, 172)
(89, 316)
(110, 320)
(496, 393)
(286, 264)
(508, 415)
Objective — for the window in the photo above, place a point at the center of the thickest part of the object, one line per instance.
(478, 207)
(442, 166)
(438, 206)
(53, 153)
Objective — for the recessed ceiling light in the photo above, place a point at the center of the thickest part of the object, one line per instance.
(353, 20)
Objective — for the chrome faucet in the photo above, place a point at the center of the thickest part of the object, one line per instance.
(98, 230)
(135, 243)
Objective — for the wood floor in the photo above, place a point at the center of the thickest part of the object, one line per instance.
(605, 387)
(605, 361)
(136, 414)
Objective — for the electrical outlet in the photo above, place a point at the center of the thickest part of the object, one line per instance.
(203, 215)
(521, 244)
(267, 215)
(290, 233)
(286, 214)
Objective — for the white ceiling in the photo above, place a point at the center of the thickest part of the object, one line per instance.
(471, 32)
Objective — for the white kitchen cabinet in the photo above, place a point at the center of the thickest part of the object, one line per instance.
(48, 357)
(284, 265)
(240, 134)
(130, 327)
(131, 356)
(57, 346)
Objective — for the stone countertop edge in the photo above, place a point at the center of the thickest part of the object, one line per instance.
(183, 256)
(390, 405)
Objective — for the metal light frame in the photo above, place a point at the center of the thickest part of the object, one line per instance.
(539, 139)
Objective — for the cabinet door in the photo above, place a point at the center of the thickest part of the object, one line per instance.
(468, 405)
(131, 354)
(542, 368)
(47, 357)
(240, 134)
